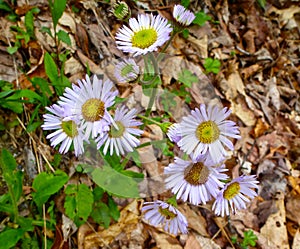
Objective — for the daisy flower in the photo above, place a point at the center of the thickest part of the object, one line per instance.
(126, 71)
(235, 194)
(144, 34)
(120, 137)
(89, 101)
(162, 213)
(67, 130)
(206, 131)
(182, 15)
(173, 133)
(195, 181)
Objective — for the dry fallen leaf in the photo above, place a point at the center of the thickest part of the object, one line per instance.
(196, 241)
(129, 217)
(275, 230)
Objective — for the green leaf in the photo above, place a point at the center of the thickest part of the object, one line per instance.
(46, 30)
(51, 68)
(116, 183)
(7, 162)
(101, 214)
(201, 18)
(46, 185)
(185, 33)
(136, 158)
(64, 36)
(212, 65)
(29, 23)
(185, 3)
(98, 193)
(57, 9)
(26, 93)
(78, 203)
(187, 78)
(12, 50)
(10, 237)
(262, 3)
(13, 105)
(113, 209)
(249, 239)
(4, 6)
(5, 93)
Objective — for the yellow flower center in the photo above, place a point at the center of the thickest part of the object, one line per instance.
(232, 190)
(70, 128)
(207, 132)
(196, 174)
(114, 132)
(93, 110)
(144, 38)
(167, 213)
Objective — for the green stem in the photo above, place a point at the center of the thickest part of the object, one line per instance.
(154, 89)
(14, 203)
(150, 120)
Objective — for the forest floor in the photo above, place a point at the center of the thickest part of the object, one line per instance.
(259, 80)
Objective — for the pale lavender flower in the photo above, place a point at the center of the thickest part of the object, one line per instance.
(205, 130)
(162, 213)
(173, 134)
(89, 101)
(235, 194)
(120, 137)
(195, 181)
(126, 71)
(67, 129)
(182, 15)
(144, 34)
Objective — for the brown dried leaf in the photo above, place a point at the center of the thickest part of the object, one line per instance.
(129, 217)
(275, 230)
(293, 207)
(166, 241)
(260, 128)
(195, 219)
(296, 240)
(196, 241)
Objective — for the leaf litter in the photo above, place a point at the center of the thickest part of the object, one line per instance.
(259, 80)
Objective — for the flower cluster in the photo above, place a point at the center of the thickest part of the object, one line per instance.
(87, 111)
(204, 136)
(82, 113)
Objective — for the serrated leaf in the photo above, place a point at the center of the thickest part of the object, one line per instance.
(64, 36)
(46, 185)
(187, 78)
(9, 238)
(78, 203)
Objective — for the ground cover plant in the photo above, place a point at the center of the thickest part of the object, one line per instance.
(149, 124)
